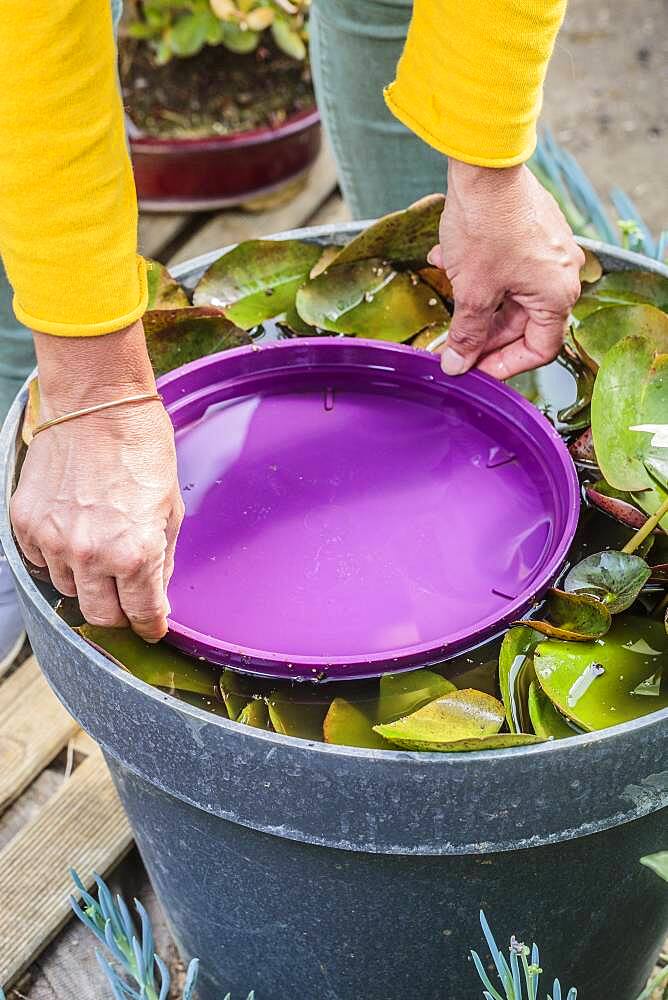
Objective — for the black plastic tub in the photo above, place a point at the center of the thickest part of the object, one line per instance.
(313, 872)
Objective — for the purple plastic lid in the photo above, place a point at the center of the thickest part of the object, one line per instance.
(351, 510)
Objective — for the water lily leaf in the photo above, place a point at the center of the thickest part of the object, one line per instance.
(404, 237)
(176, 336)
(31, 414)
(573, 616)
(603, 329)
(431, 337)
(578, 415)
(370, 299)
(459, 715)
(402, 694)
(658, 863)
(615, 578)
(592, 269)
(348, 725)
(236, 691)
(631, 389)
(163, 291)
(500, 741)
(255, 714)
(620, 287)
(582, 449)
(302, 718)
(516, 674)
(616, 503)
(592, 683)
(545, 719)
(157, 664)
(437, 279)
(213, 705)
(258, 280)
(650, 501)
(324, 260)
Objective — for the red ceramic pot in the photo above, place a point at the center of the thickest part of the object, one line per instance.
(203, 174)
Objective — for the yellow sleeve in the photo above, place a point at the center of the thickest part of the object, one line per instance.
(68, 209)
(470, 80)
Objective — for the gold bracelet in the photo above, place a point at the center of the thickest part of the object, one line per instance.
(145, 397)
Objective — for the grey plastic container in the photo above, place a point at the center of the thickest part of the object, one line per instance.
(314, 872)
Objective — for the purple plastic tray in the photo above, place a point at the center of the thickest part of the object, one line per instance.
(352, 510)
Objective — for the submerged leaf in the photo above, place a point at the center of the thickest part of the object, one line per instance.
(545, 719)
(155, 663)
(163, 291)
(658, 863)
(617, 503)
(302, 718)
(615, 578)
(404, 237)
(236, 691)
(402, 694)
(370, 299)
(437, 279)
(516, 674)
(255, 714)
(619, 287)
(176, 336)
(349, 725)
(459, 715)
(603, 329)
(573, 616)
(257, 280)
(593, 683)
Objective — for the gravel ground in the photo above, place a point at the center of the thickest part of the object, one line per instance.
(606, 97)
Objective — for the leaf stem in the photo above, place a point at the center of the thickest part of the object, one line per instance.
(661, 979)
(647, 529)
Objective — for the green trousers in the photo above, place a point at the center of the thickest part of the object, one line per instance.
(355, 45)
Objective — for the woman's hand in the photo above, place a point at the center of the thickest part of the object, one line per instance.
(514, 267)
(98, 500)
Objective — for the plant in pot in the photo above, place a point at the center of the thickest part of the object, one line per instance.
(219, 97)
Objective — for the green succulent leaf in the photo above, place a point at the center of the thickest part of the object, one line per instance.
(288, 39)
(603, 329)
(405, 237)
(599, 684)
(516, 674)
(370, 299)
(349, 725)
(257, 280)
(614, 578)
(658, 863)
(155, 663)
(458, 715)
(176, 336)
(622, 287)
(237, 40)
(402, 694)
(573, 616)
(187, 34)
(163, 291)
(546, 720)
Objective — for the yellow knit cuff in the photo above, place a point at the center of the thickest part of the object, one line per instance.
(111, 325)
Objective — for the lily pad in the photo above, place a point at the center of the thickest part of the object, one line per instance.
(459, 715)
(614, 578)
(257, 280)
(370, 299)
(593, 683)
(163, 291)
(437, 279)
(545, 719)
(620, 287)
(348, 725)
(617, 503)
(404, 237)
(577, 415)
(402, 694)
(430, 338)
(155, 663)
(573, 616)
(603, 329)
(303, 718)
(176, 336)
(516, 674)
(650, 501)
(236, 691)
(631, 389)
(255, 714)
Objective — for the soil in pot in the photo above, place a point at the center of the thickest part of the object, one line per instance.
(214, 93)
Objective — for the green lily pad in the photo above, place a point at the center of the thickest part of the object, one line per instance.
(603, 329)
(545, 719)
(303, 719)
(631, 389)
(213, 705)
(650, 501)
(236, 691)
(257, 280)
(156, 663)
(658, 863)
(620, 287)
(349, 725)
(176, 336)
(429, 338)
(255, 714)
(592, 683)
(615, 578)
(404, 237)
(573, 616)
(459, 715)
(370, 299)
(577, 415)
(163, 291)
(617, 503)
(516, 674)
(402, 694)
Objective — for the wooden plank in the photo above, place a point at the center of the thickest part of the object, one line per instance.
(34, 727)
(83, 826)
(234, 226)
(28, 805)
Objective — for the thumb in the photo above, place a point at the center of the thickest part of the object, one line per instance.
(466, 338)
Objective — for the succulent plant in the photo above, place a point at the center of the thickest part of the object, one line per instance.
(185, 27)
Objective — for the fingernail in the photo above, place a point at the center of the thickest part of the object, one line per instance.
(430, 258)
(452, 363)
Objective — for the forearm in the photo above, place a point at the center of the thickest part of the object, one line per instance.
(68, 215)
(471, 76)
